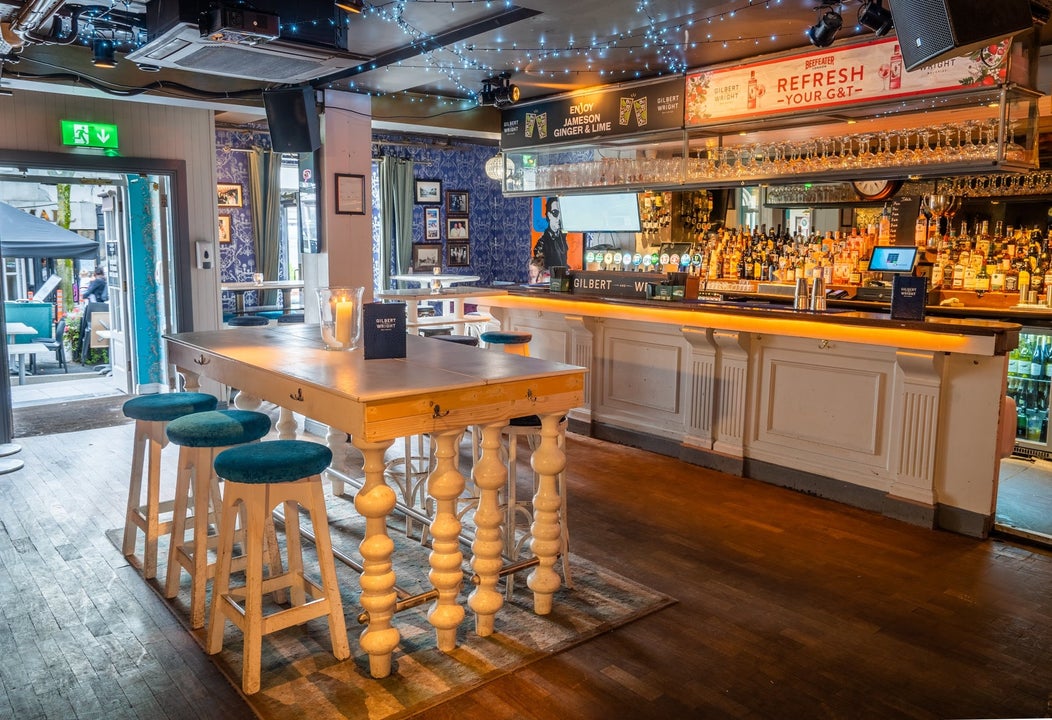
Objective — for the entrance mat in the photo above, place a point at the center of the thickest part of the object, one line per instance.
(70, 416)
(300, 677)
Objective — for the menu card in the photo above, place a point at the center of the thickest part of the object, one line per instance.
(909, 295)
(383, 330)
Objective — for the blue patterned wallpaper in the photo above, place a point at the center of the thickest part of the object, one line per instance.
(499, 227)
(237, 259)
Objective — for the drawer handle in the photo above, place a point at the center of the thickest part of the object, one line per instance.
(298, 397)
(201, 360)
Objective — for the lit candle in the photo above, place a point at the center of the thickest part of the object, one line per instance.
(344, 324)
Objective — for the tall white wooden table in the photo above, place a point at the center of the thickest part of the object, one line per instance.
(438, 388)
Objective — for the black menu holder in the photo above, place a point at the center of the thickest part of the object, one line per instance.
(383, 330)
(909, 295)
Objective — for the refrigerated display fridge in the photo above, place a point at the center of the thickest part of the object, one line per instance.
(1029, 382)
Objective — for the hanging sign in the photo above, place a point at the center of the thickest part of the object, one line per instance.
(592, 115)
(831, 78)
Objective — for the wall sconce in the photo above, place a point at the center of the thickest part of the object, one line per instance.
(873, 15)
(102, 54)
(823, 33)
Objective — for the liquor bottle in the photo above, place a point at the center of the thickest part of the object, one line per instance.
(1026, 352)
(1037, 360)
(982, 278)
(753, 90)
(895, 77)
(1020, 412)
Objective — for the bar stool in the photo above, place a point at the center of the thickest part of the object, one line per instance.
(529, 428)
(459, 339)
(259, 477)
(200, 437)
(517, 343)
(152, 414)
(247, 321)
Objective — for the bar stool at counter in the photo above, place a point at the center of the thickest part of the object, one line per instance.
(152, 413)
(259, 477)
(200, 437)
(247, 321)
(517, 343)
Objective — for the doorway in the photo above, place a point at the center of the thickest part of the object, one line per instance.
(112, 348)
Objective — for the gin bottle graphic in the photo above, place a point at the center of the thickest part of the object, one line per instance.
(753, 90)
(895, 80)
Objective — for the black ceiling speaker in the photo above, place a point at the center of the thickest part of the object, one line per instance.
(933, 30)
(292, 117)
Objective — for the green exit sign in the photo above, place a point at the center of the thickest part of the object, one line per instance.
(89, 134)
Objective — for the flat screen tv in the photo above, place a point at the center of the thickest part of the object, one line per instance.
(617, 212)
(893, 259)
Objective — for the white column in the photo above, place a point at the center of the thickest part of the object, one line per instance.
(732, 384)
(701, 403)
(915, 426)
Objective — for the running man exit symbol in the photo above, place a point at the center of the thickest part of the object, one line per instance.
(87, 134)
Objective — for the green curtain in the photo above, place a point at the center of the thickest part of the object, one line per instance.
(396, 216)
(264, 188)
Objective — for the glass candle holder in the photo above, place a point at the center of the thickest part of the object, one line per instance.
(340, 309)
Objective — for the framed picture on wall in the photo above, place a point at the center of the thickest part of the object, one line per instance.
(458, 254)
(427, 191)
(228, 195)
(457, 229)
(224, 229)
(350, 194)
(457, 202)
(427, 256)
(432, 228)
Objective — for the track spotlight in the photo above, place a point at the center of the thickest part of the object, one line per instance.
(823, 33)
(499, 91)
(873, 15)
(102, 53)
(352, 6)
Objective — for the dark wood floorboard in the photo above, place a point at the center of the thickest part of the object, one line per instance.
(789, 606)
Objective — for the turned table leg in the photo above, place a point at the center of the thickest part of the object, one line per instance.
(375, 501)
(445, 484)
(490, 475)
(548, 461)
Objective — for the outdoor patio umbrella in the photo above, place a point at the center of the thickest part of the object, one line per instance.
(26, 236)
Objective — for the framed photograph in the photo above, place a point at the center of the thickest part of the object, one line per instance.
(456, 202)
(228, 195)
(458, 254)
(457, 229)
(432, 228)
(350, 194)
(224, 229)
(427, 191)
(427, 256)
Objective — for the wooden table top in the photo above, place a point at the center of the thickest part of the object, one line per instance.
(438, 385)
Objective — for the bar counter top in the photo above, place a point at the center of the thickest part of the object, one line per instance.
(964, 333)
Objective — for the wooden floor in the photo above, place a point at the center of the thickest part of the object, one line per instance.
(789, 606)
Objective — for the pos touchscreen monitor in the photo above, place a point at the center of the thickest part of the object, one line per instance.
(893, 259)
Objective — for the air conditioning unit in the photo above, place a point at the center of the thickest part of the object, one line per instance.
(181, 31)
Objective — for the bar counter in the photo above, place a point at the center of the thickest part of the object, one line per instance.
(900, 417)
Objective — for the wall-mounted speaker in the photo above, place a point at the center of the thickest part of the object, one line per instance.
(292, 116)
(933, 30)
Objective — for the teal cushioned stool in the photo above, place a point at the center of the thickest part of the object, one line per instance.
(200, 437)
(247, 321)
(258, 477)
(152, 414)
(517, 343)
(459, 339)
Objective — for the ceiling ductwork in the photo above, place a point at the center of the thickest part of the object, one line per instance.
(234, 42)
(17, 33)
